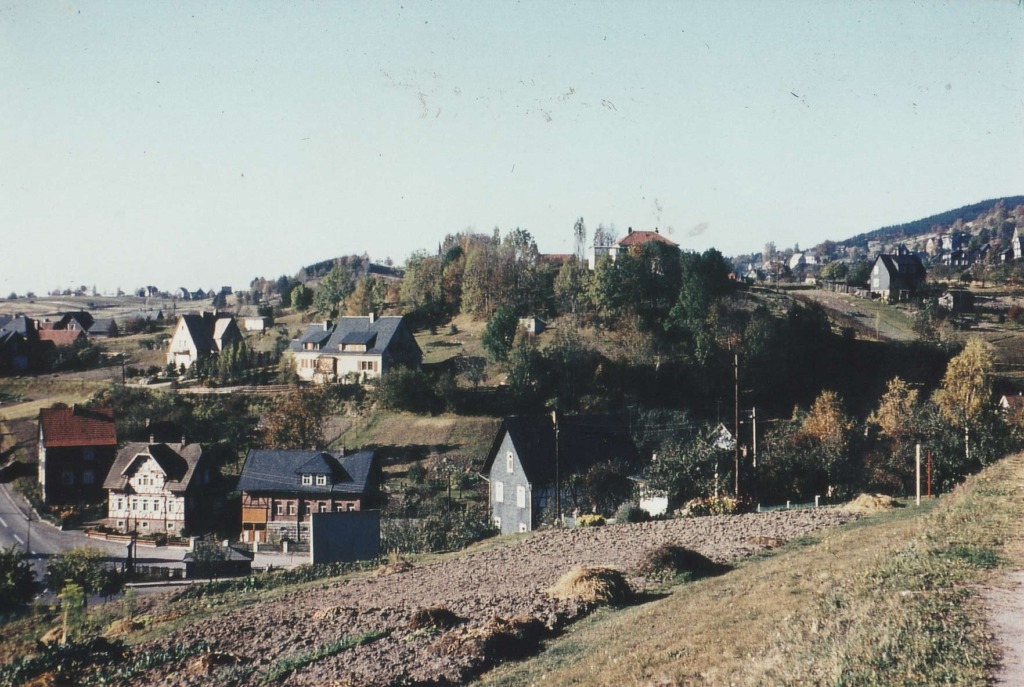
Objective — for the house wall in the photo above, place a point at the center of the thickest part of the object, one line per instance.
(148, 506)
(272, 517)
(73, 474)
(181, 350)
(511, 494)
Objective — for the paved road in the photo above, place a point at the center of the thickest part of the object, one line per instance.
(20, 527)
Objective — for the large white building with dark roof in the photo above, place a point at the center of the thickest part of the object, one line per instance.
(360, 348)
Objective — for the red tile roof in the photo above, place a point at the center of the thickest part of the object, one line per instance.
(61, 337)
(635, 238)
(77, 426)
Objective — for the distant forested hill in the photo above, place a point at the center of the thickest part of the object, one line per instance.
(923, 226)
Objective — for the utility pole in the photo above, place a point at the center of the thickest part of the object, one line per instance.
(753, 420)
(736, 426)
(558, 483)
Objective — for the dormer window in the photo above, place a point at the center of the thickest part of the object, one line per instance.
(321, 480)
(307, 480)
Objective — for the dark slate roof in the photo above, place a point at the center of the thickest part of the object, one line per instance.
(84, 319)
(275, 470)
(205, 328)
(357, 330)
(903, 265)
(21, 324)
(362, 338)
(584, 440)
(317, 333)
(102, 326)
(178, 462)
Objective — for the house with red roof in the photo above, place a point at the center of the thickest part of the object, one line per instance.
(633, 240)
(77, 446)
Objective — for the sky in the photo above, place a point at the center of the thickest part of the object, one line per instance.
(202, 144)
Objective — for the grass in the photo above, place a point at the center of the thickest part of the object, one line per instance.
(286, 666)
(892, 600)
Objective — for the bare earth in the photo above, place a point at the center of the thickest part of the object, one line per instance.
(1006, 616)
(506, 582)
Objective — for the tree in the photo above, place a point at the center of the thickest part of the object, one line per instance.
(297, 420)
(579, 233)
(332, 291)
(302, 297)
(570, 286)
(605, 486)
(966, 392)
(84, 567)
(899, 428)
(17, 582)
(834, 271)
(500, 333)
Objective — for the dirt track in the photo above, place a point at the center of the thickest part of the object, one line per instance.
(506, 582)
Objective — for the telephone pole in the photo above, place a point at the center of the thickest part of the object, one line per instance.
(736, 426)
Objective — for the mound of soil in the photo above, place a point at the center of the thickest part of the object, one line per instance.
(871, 503)
(667, 560)
(593, 585)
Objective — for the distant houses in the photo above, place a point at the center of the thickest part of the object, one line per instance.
(632, 240)
(200, 336)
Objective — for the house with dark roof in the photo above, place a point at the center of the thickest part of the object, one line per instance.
(79, 320)
(534, 457)
(896, 276)
(103, 327)
(281, 489)
(361, 348)
(161, 489)
(200, 336)
(76, 449)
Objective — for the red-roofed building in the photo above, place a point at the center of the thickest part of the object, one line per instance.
(61, 338)
(77, 446)
(632, 240)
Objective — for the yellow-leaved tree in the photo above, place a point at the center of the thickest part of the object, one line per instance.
(966, 393)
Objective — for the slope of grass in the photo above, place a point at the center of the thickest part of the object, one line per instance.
(891, 600)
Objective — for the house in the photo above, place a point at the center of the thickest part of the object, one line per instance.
(357, 347)
(532, 457)
(896, 276)
(61, 338)
(75, 321)
(105, 327)
(957, 301)
(532, 325)
(281, 489)
(200, 295)
(255, 324)
(161, 489)
(633, 240)
(181, 293)
(76, 449)
(200, 336)
(1011, 406)
(14, 352)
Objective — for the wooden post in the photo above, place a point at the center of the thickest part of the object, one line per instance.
(917, 463)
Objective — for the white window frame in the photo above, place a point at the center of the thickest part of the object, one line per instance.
(307, 480)
(499, 492)
(521, 496)
(321, 480)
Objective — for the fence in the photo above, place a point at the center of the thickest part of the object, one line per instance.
(791, 506)
(252, 389)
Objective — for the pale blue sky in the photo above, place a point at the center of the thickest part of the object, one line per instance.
(201, 144)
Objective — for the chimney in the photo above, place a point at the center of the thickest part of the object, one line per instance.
(656, 230)
(630, 230)
(152, 439)
(373, 317)
(341, 453)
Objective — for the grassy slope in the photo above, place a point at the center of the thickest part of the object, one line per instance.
(890, 600)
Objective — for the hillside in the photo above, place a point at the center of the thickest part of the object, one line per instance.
(901, 232)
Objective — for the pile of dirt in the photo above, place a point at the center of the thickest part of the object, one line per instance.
(436, 618)
(668, 560)
(871, 503)
(207, 664)
(498, 640)
(593, 585)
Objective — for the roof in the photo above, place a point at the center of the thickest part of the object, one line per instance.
(356, 330)
(102, 326)
(206, 329)
(908, 265)
(81, 317)
(279, 470)
(20, 324)
(583, 441)
(177, 461)
(1012, 402)
(61, 337)
(636, 238)
(317, 334)
(230, 554)
(77, 426)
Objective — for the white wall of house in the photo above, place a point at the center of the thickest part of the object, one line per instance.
(148, 506)
(181, 350)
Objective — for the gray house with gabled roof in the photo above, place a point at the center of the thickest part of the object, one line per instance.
(528, 457)
(361, 348)
(281, 489)
(897, 276)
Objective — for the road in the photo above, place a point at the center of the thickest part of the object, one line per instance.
(20, 527)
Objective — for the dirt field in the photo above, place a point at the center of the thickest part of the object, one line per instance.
(506, 582)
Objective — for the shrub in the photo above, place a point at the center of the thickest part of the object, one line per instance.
(631, 512)
(416, 473)
(590, 520)
(17, 583)
(715, 505)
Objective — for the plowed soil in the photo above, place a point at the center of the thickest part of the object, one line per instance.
(484, 588)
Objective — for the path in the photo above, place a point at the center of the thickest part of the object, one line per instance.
(1006, 615)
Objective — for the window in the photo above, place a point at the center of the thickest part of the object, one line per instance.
(321, 480)
(307, 479)
(156, 505)
(145, 504)
(145, 524)
(309, 508)
(68, 478)
(351, 507)
(292, 509)
(135, 504)
(323, 506)
(339, 507)
(521, 496)
(499, 492)
(89, 454)
(510, 462)
(120, 524)
(368, 365)
(280, 508)
(89, 477)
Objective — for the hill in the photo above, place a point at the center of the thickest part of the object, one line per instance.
(901, 232)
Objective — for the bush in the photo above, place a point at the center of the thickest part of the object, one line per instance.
(17, 583)
(84, 567)
(416, 473)
(590, 520)
(631, 512)
(669, 560)
(715, 505)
